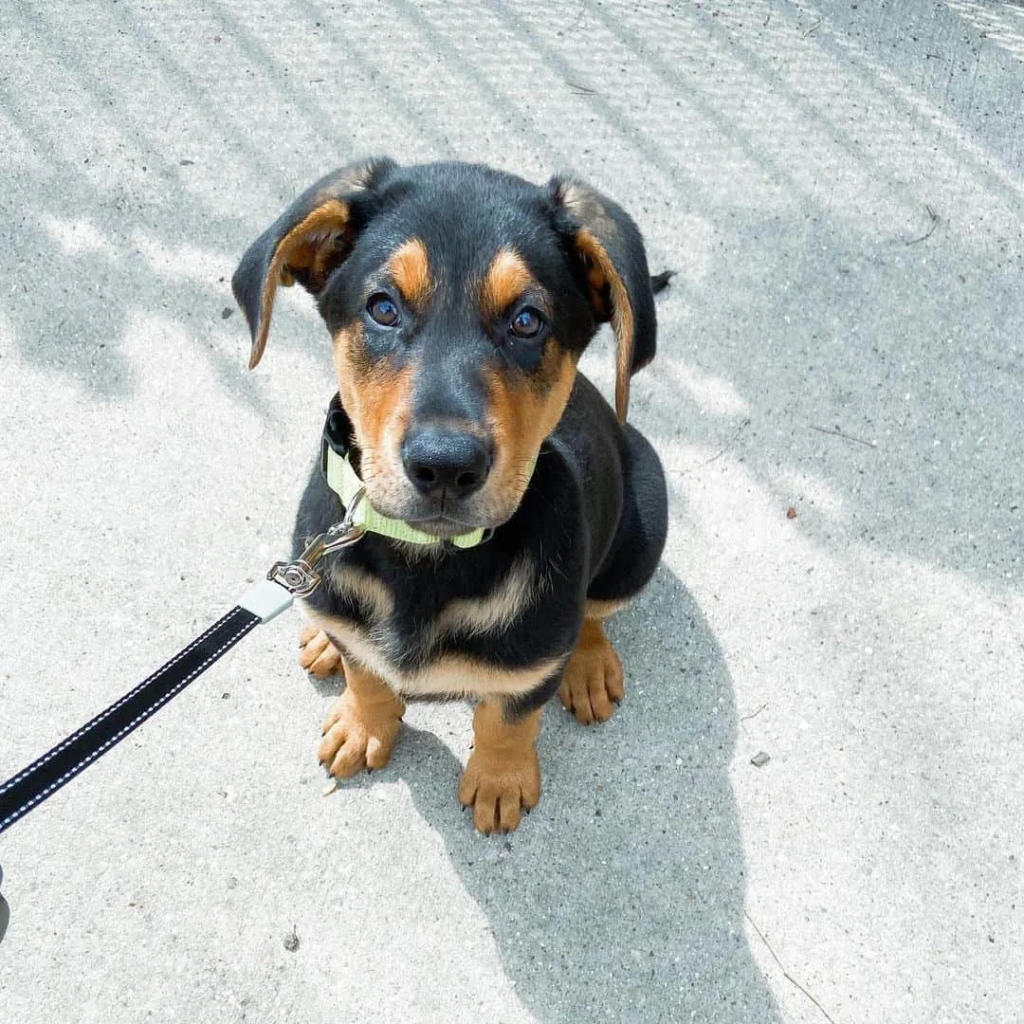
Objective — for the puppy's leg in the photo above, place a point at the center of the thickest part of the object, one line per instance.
(503, 772)
(362, 724)
(593, 677)
(318, 654)
(592, 684)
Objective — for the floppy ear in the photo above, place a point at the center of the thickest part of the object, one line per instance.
(305, 244)
(611, 252)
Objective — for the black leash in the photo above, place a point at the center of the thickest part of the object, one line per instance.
(285, 581)
(41, 779)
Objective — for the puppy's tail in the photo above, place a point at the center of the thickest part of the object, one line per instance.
(659, 282)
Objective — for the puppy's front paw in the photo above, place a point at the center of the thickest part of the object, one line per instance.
(592, 684)
(358, 735)
(497, 786)
(318, 654)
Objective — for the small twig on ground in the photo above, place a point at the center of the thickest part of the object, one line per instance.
(931, 227)
(754, 714)
(728, 444)
(814, 28)
(581, 90)
(845, 437)
(789, 977)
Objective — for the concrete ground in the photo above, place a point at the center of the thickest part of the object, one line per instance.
(839, 187)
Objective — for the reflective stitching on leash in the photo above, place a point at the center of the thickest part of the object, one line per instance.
(85, 729)
(86, 761)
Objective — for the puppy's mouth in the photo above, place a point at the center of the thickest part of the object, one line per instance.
(442, 516)
(441, 526)
(442, 522)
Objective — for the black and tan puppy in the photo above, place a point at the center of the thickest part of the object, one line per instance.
(508, 508)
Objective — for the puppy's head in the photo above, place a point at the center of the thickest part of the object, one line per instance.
(459, 300)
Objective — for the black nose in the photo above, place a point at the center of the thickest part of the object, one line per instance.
(440, 460)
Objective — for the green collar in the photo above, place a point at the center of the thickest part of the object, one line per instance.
(342, 479)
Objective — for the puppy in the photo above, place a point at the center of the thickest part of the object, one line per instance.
(508, 510)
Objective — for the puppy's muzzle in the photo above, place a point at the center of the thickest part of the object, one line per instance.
(445, 463)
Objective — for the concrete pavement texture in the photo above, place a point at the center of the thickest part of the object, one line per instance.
(839, 189)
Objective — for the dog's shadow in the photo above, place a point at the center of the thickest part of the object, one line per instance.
(621, 896)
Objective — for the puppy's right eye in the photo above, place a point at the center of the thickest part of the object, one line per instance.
(383, 310)
(527, 323)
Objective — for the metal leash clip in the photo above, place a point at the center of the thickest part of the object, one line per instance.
(299, 577)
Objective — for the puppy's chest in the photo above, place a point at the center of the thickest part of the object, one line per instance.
(425, 644)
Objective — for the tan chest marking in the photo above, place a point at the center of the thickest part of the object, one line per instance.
(455, 675)
(497, 609)
(452, 674)
(376, 601)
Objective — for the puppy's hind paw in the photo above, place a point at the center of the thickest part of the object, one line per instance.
(592, 685)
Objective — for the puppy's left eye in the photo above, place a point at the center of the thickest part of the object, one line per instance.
(383, 310)
(527, 323)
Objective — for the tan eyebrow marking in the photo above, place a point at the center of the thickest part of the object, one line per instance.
(507, 278)
(409, 268)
